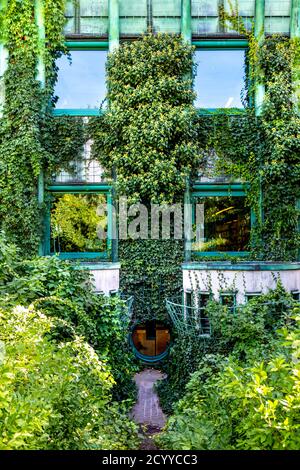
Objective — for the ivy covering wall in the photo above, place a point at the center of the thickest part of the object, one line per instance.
(264, 149)
(30, 139)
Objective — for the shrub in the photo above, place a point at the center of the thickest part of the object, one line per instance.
(55, 394)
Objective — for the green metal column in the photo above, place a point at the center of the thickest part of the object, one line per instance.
(295, 19)
(114, 41)
(259, 32)
(188, 222)
(41, 77)
(295, 33)
(3, 64)
(186, 33)
(114, 25)
(186, 20)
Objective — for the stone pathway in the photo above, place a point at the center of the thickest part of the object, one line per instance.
(147, 410)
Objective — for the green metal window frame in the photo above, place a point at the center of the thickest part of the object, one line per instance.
(81, 189)
(231, 294)
(217, 190)
(296, 295)
(251, 295)
(82, 46)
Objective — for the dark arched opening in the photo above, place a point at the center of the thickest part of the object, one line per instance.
(150, 341)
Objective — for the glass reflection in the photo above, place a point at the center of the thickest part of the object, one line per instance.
(76, 223)
(226, 224)
(81, 83)
(220, 79)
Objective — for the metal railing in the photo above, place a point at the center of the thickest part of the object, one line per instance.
(189, 320)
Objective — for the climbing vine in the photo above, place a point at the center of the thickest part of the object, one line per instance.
(151, 271)
(25, 147)
(148, 135)
(264, 149)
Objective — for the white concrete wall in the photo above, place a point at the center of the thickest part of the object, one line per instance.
(106, 280)
(241, 281)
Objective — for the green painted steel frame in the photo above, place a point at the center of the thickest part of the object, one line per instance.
(80, 189)
(215, 190)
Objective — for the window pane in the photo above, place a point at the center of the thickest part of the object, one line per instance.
(75, 223)
(278, 7)
(220, 79)
(226, 224)
(81, 83)
(87, 17)
(133, 17)
(166, 16)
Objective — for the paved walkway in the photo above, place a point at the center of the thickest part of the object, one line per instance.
(147, 410)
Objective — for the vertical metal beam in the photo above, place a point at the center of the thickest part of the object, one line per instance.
(186, 20)
(295, 19)
(114, 25)
(41, 77)
(186, 33)
(187, 222)
(259, 31)
(295, 33)
(3, 63)
(114, 41)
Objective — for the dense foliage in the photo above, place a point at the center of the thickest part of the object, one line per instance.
(55, 393)
(262, 146)
(30, 139)
(148, 135)
(61, 326)
(151, 272)
(242, 385)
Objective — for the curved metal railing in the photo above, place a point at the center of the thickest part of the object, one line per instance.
(190, 320)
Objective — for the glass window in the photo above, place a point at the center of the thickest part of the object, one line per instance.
(86, 170)
(81, 82)
(228, 299)
(77, 223)
(205, 16)
(252, 295)
(220, 78)
(227, 224)
(277, 16)
(133, 17)
(296, 295)
(166, 16)
(87, 17)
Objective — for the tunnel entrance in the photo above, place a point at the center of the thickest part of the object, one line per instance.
(151, 340)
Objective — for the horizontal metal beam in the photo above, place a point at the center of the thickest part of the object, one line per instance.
(79, 188)
(86, 45)
(221, 44)
(77, 112)
(81, 255)
(217, 187)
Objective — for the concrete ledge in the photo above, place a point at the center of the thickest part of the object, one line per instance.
(241, 266)
(99, 266)
(244, 278)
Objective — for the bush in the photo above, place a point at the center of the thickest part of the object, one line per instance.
(55, 394)
(58, 289)
(245, 395)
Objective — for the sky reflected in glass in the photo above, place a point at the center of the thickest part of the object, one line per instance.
(220, 79)
(81, 83)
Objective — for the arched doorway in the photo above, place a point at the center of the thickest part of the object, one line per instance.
(151, 340)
